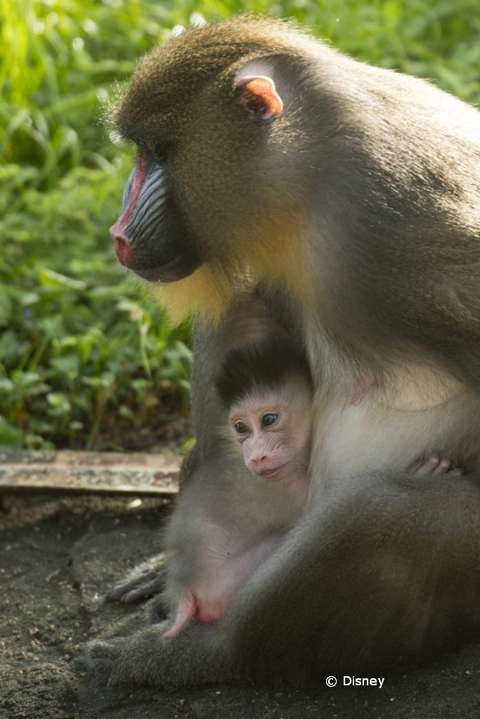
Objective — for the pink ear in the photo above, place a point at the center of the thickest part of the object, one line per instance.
(260, 97)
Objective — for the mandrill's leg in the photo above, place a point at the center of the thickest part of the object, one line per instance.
(388, 573)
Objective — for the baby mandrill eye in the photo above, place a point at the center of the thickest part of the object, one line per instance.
(269, 418)
(241, 428)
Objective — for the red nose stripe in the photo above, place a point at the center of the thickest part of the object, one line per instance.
(117, 231)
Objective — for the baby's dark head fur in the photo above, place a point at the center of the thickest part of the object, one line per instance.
(266, 364)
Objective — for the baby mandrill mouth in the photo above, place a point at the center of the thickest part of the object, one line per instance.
(273, 472)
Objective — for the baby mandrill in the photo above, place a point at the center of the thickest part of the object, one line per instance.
(266, 388)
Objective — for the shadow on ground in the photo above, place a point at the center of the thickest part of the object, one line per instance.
(57, 557)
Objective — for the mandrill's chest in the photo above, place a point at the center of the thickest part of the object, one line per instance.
(363, 426)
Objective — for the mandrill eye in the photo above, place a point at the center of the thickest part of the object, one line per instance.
(159, 152)
(269, 418)
(241, 427)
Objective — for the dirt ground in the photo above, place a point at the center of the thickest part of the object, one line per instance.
(58, 556)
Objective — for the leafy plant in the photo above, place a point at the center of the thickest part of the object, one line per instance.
(82, 356)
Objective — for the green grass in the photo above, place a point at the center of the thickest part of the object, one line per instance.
(86, 359)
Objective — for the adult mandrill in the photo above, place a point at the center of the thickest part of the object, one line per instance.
(282, 186)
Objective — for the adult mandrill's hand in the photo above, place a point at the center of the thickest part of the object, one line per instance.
(142, 582)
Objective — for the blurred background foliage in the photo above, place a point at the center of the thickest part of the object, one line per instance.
(86, 358)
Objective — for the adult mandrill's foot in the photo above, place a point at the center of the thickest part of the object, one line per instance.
(143, 582)
(145, 659)
(434, 466)
(99, 661)
(134, 660)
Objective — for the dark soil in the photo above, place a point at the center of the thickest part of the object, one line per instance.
(57, 557)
